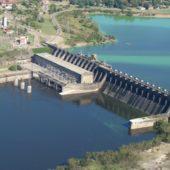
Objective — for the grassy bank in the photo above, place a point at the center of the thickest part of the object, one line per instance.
(47, 27)
(126, 157)
(79, 29)
(12, 54)
(44, 49)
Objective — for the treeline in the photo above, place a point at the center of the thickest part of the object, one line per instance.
(119, 3)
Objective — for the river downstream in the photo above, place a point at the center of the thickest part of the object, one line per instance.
(40, 131)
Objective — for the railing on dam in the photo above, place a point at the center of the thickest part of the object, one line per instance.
(126, 88)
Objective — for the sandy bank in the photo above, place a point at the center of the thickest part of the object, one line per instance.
(162, 16)
(156, 158)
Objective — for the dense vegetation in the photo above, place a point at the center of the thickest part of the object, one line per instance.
(30, 14)
(119, 3)
(15, 68)
(125, 158)
(29, 10)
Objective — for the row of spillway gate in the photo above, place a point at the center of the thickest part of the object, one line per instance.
(128, 89)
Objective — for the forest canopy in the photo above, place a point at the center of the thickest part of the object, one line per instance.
(119, 3)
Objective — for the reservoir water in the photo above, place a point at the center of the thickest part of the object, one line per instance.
(40, 131)
(142, 46)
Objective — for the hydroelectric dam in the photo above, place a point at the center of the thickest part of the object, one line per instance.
(76, 74)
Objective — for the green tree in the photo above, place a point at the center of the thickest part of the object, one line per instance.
(52, 9)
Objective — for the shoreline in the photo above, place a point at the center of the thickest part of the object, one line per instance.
(84, 44)
(150, 154)
(118, 12)
(64, 40)
(163, 16)
(158, 16)
(140, 15)
(111, 12)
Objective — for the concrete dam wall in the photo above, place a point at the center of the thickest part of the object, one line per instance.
(127, 89)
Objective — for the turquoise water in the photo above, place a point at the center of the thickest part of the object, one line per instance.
(142, 46)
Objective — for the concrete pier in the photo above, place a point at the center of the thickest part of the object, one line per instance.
(22, 85)
(16, 82)
(29, 89)
(148, 122)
